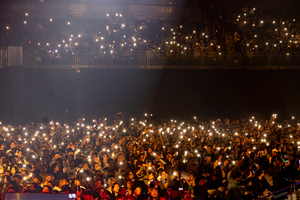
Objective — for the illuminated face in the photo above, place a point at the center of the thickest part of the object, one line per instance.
(226, 162)
(137, 191)
(208, 159)
(98, 185)
(168, 168)
(45, 190)
(129, 184)
(120, 158)
(101, 191)
(153, 167)
(176, 163)
(130, 175)
(31, 187)
(23, 173)
(16, 179)
(10, 190)
(168, 156)
(96, 166)
(116, 188)
(63, 182)
(105, 157)
(123, 191)
(88, 197)
(13, 170)
(202, 182)
(113, 145)
(154, 193)
(56, 156)
(77, 182)
(12, 145)
(35, 180)
(281, 141)
(49, 178)
(20, 154)
(151, 177)
(164, 175)
(43, 169)
(57, 167)
(142, 157)
(105, 195)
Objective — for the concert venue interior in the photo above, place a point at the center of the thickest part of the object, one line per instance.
(160, 99)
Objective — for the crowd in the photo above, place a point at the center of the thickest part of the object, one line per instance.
(115, 33)
(144, 159)
(250, 30)
(255, 30)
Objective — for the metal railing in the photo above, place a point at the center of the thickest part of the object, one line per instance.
(192, 59)
(3, 57)
(39, 58)
(153, 60)
(11, 55)
(291, 190)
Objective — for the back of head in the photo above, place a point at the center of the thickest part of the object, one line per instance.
(175, 195)
(265, 164)
(235, 175)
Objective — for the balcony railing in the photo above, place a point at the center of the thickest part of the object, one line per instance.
(153, 60)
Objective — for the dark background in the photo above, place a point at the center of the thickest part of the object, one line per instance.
(45, 94)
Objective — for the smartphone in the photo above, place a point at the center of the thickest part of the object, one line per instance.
(299, 162)
(253, 172)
